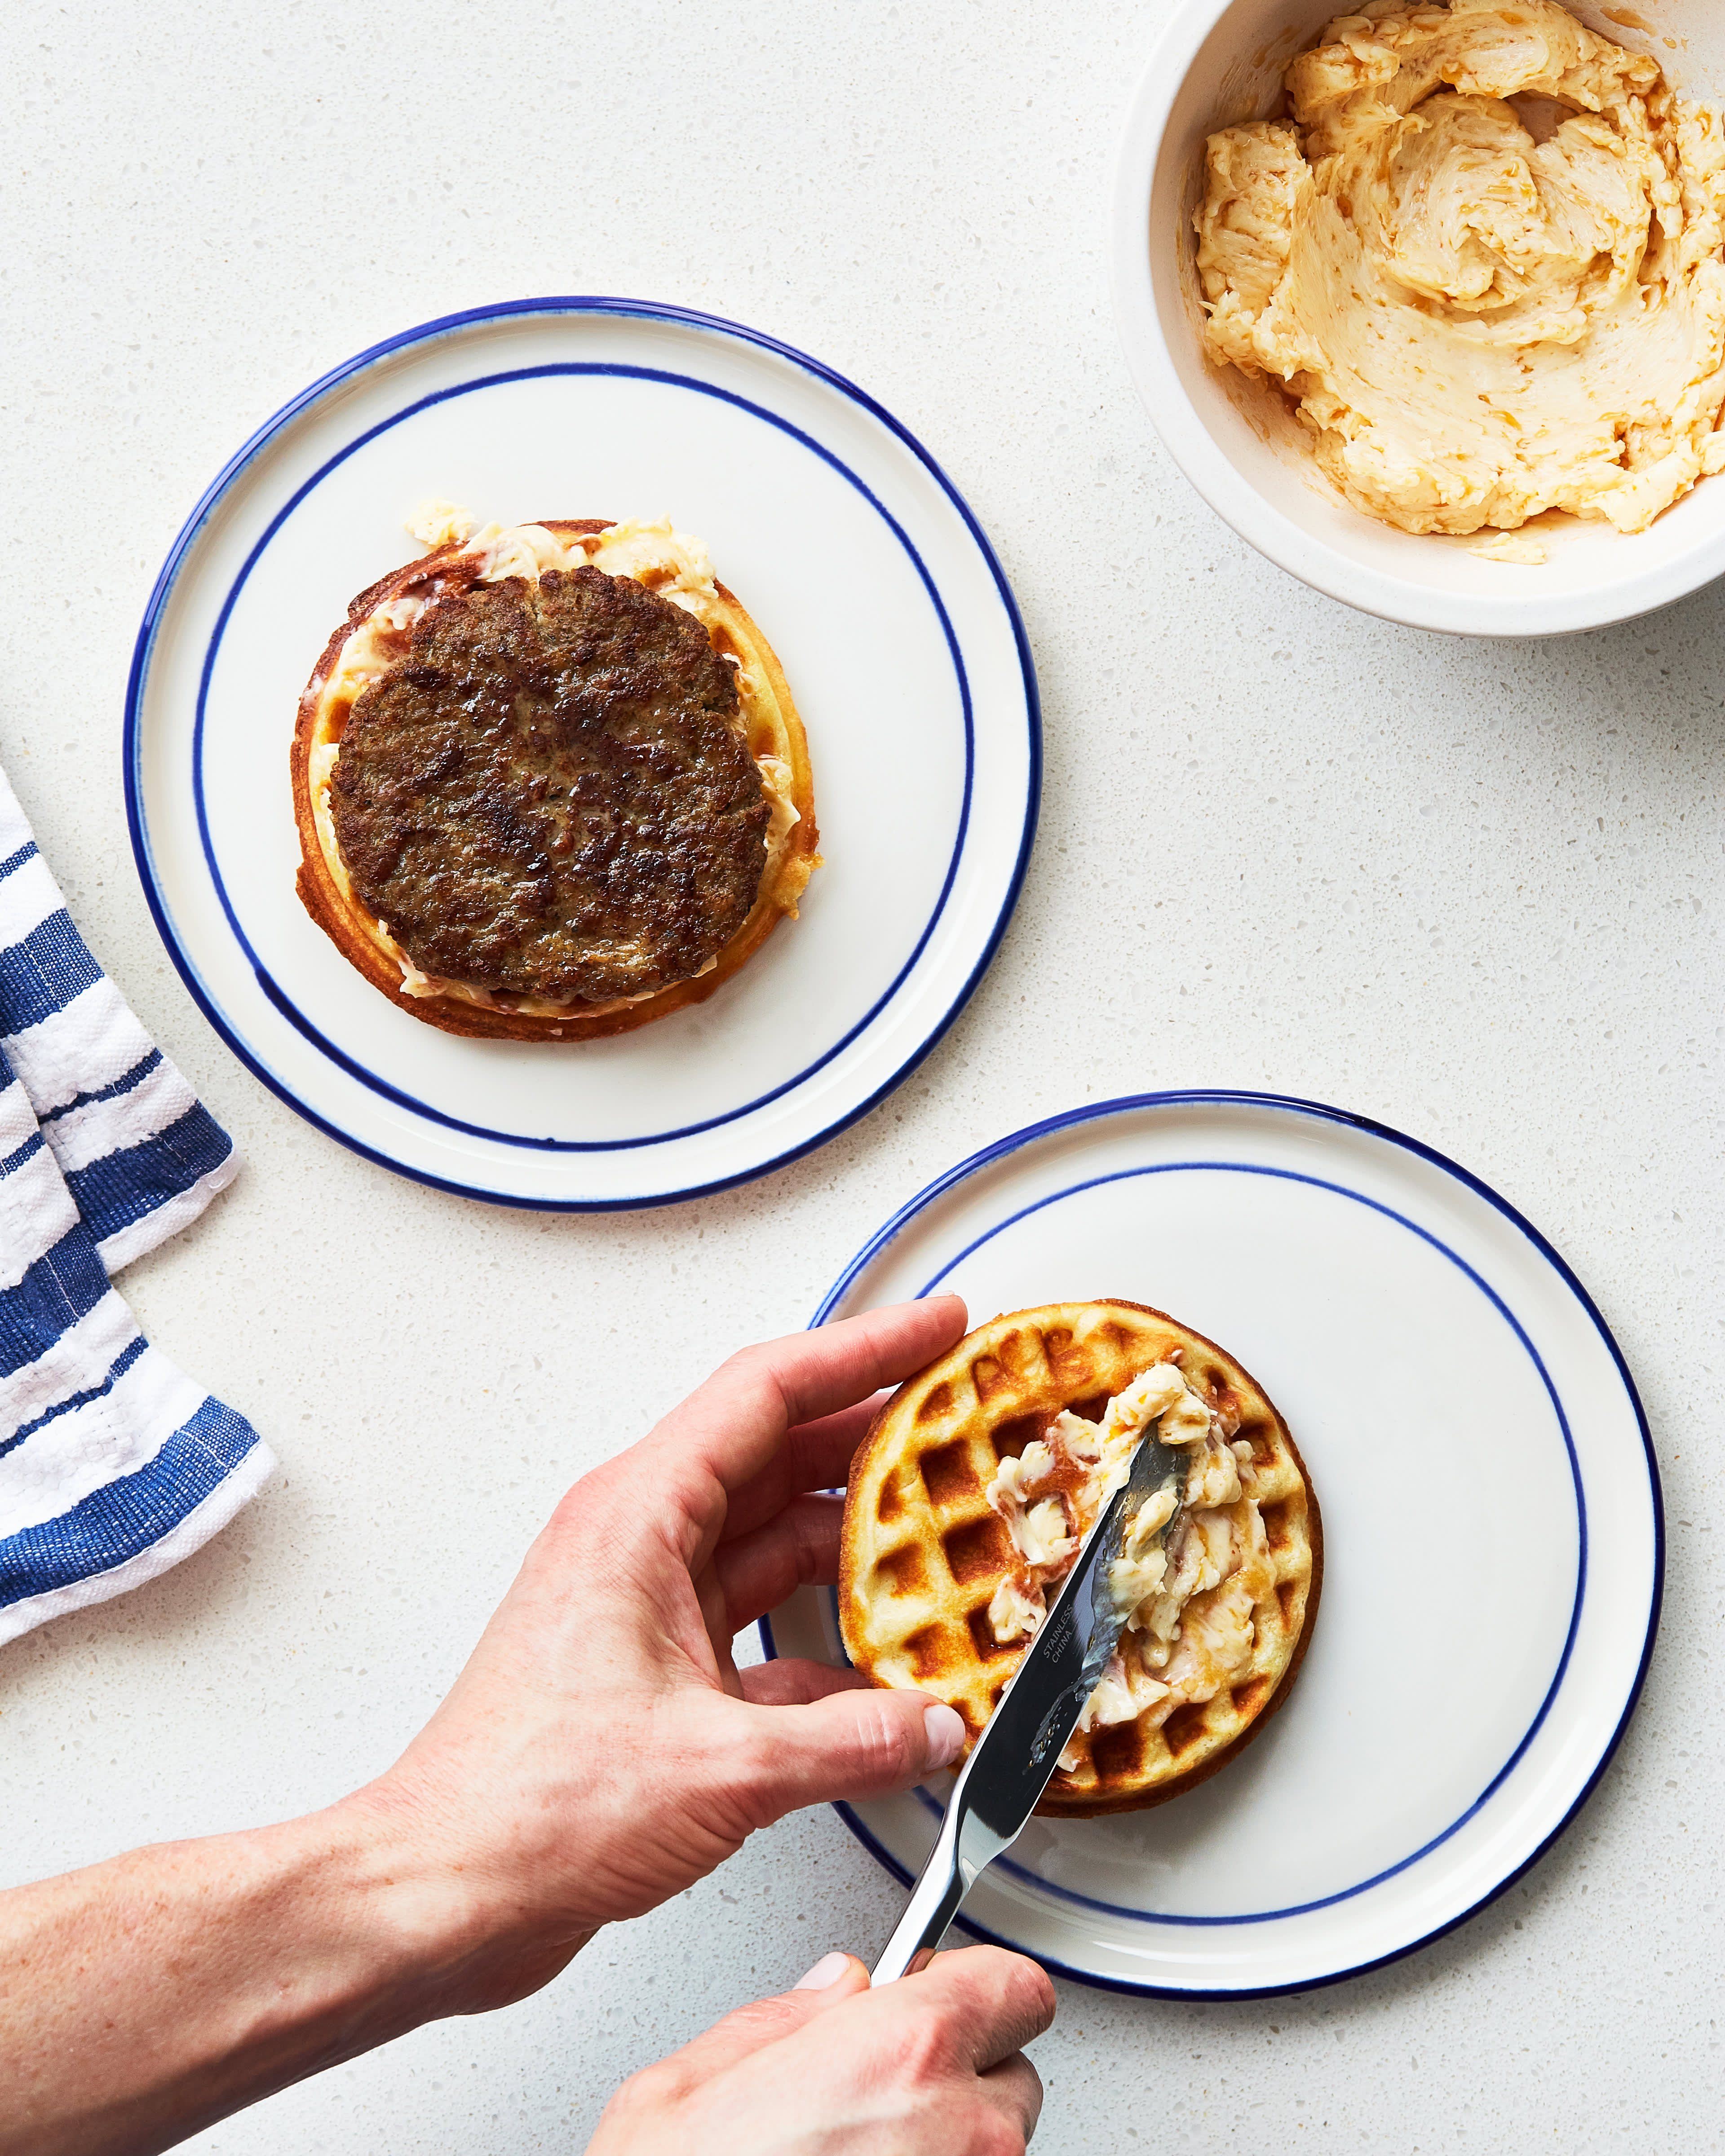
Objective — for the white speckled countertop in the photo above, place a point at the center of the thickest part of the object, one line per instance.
(1472, 889)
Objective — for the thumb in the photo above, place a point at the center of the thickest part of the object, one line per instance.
(864, 1743)
(834, 1979)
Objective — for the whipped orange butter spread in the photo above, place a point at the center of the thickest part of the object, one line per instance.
(666, 560)
(1189, 1607)
(1485, 257)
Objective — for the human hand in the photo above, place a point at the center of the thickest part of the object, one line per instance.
(601, 1751)
(930, 2066)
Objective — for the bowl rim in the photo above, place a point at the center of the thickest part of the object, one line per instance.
(1290, 545)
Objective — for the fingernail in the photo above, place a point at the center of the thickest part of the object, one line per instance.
(945, 1725)
(827, 1970)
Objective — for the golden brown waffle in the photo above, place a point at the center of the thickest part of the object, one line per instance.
(769, 719)
(923, 1551)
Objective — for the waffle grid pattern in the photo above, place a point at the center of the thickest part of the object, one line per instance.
(923, 1551)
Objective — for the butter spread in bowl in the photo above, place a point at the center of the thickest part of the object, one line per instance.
(1484, 257)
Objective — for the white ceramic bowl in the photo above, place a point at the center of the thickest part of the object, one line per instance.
(1218, 62)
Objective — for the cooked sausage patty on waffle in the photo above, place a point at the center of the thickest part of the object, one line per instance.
(970, 1500)
(548, 794)
(549, 781)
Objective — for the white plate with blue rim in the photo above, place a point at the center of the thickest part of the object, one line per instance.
(867, 573)
(1493, 1541)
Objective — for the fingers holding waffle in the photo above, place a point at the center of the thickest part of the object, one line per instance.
(969, 1499)
(798, 1547)
(782, 1526)
(778, 1396)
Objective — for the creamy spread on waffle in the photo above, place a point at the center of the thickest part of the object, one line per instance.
(1052, 1494)
(669, 562)
(1485, 257)
(968, 1501)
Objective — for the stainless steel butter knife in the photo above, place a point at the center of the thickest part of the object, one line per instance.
(1012, 1762)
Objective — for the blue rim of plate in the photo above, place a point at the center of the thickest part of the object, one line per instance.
(291, 1011)
(1425, 1234)
(1017, 1140)
(132, 751)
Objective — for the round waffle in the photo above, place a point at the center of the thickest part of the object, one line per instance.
(923, 1551)
(767, 723)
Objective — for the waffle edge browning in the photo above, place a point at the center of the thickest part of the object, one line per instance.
(922, 1551)
(773, 729)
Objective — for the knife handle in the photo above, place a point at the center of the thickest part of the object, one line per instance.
(962, 1848)
(932, 1905)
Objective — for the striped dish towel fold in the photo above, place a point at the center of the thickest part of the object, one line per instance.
(113, 1465)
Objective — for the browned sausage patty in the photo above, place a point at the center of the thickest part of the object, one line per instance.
(549, 794)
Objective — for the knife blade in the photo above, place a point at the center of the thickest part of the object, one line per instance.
(1013, 1760)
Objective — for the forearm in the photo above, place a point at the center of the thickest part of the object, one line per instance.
(599, 1753)
(144, 1999)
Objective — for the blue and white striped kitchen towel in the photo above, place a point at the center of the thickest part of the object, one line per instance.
(113, 1465)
